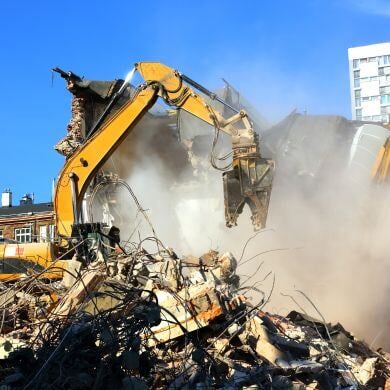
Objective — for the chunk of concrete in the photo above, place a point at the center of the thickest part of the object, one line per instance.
(366, 371)
(73, 267)
(257, 336)
(188, 310)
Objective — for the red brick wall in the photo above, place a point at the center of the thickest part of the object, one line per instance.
(8, 225)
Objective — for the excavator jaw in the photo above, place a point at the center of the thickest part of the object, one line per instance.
(249, 182)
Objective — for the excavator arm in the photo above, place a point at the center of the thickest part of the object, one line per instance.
(80, 168)
(249, 181)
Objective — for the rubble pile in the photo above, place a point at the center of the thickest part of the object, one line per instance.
(138, 320)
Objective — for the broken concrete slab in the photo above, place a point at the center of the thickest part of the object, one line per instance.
(188, 310)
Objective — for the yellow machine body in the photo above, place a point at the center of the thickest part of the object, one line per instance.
(380, 170)
(29, 259)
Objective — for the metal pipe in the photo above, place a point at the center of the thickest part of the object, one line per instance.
(105, 113)
(112, 102)
(208, 93)
(73, 185)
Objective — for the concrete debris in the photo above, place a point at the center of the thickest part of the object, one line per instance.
(366, 371)
(138, 320)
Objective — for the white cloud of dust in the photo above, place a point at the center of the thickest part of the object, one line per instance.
(325, 236)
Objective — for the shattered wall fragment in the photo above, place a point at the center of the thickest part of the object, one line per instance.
(89, 99)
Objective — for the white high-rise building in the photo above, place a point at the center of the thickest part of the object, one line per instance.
(369, 72)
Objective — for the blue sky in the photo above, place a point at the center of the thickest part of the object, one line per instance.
(282, 55)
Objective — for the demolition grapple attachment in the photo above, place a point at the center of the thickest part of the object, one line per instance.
(249, 182)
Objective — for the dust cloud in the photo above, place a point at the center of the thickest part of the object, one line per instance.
(325, 236)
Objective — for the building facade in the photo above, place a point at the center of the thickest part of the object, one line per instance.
(27, 222)
(369, 72)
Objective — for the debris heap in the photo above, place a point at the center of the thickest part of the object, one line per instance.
(139, 320)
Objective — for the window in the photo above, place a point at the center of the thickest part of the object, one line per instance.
(367, 118)
(51, 232)
(385, 99)
(357, 94)
(356, 74)
(46, 233)
(363, 60)
(355, 64)
(381, 71)
(385, 110)
(370, 98)
(386, 60)
(1, 233)
(23, 234)
(43, 233)
(386, 118)
(356, 83)
(358, 102)
(385, 79)
(376, 118)
(358, 113)
(372, 59)
(384, 90)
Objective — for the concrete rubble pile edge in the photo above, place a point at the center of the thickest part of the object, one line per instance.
(141, 320)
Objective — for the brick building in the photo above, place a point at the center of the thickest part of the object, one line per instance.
(27, 222)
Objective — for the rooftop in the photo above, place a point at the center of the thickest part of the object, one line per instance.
(374, 50)
(26, 209)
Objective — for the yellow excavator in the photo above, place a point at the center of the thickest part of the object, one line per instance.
(248, 182)
(381, 169)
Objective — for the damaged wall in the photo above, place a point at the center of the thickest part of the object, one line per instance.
(89, 99)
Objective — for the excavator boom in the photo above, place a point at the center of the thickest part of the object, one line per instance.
(249, 181)
(80, 168)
